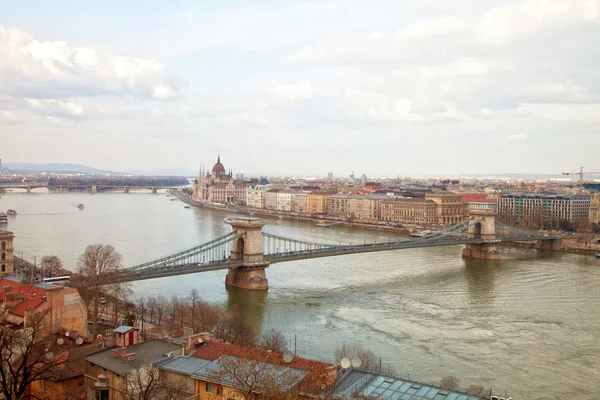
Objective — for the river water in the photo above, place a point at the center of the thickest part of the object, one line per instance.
(528, 324)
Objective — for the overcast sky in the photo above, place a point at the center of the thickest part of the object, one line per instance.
(303, 87)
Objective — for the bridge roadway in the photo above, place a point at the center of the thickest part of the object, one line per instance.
(336, 250)
(86, 187)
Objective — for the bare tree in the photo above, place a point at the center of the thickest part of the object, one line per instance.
(369, 361)
(194, 300)
(146, 382)
(449, 382)
(253, 378)
(151, 307)
(233, 328)
(161, 308)
(209, 316)
(477, 390)
(52, 265)
(27, 357)
(274, 340)
(98, 266)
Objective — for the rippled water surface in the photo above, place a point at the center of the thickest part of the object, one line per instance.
(528, 324)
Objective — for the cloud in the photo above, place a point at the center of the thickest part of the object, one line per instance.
(518, 136)
(529, 51)
(30, 68)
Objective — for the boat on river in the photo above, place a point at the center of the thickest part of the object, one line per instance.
(3, 218)
(186, 206)
(11, 212)
(80, 206)
(421, 234)
(597, 255)
(324, 224)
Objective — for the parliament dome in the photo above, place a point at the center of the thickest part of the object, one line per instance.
(219, 169)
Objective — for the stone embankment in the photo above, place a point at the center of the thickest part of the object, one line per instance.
(293, 216)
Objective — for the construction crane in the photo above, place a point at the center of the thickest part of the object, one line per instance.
(581, 173)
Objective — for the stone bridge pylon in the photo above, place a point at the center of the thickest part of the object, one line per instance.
(483, 226)
(249, 250)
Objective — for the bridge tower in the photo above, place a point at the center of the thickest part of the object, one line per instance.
(482, 226)
(249, 250)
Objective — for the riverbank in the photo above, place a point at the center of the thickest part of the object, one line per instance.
(257, 212)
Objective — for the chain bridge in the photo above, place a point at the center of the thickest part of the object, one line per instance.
(247, 250)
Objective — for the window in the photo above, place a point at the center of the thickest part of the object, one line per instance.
(3, 268)
(210, 388)
(3, 256)
(3, 245)
(219, 390)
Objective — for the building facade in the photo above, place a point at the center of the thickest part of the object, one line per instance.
(409, 211)
(6, 253)
(114, 373)
(545, 209)
(255, 196)
(301, 205)
(337, 205)
(62, 307)
(365, 207)
(595, 208)
(317, 202)
(450, 208)
(219, 186)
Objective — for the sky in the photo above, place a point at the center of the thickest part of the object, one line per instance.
(291, 87)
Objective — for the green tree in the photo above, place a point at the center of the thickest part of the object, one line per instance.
(129, 319)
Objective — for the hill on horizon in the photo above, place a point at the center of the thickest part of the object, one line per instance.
(57, 168)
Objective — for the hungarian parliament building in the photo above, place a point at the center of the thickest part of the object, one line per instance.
(219, 186)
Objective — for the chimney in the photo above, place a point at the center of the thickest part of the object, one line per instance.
(128, 357)
(6, 288)
(119, 352)
(12, 299)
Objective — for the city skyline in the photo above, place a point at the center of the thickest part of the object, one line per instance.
(421, 88)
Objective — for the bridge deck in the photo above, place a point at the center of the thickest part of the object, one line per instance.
(138, 274)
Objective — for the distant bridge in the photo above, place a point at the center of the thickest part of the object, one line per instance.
(91, 188)
(247, 251)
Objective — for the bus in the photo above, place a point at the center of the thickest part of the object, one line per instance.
(56, 279)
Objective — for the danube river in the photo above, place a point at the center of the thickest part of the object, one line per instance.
(528, 324)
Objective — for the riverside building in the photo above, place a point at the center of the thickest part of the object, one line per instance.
(219, 186)
(547, 209)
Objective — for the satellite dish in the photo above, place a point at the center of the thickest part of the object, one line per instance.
(79, 341)
(288, 357)
(60, 341)
(345, 363)
(99, 337)
(49, 355)
(67, 333)
(356, 362)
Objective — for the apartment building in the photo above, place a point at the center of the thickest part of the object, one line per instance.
(416, 210)
(255, 196)
(450, 207)
(337, 205)
(546, 209)
(365, 207)
(317, 202)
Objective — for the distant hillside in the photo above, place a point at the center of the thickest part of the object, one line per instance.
(31, 168)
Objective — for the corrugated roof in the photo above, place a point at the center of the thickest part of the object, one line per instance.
(185, 365)
(123, 329)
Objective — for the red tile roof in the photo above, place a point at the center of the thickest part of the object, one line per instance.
(33, 296)
(473, 196)
(213, 350)
(318, 373)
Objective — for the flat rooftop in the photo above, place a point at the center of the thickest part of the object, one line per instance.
(146, 353)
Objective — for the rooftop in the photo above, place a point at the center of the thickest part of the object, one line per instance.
(3, 232)
(146, 353)
(365, 385)
(33, 295)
